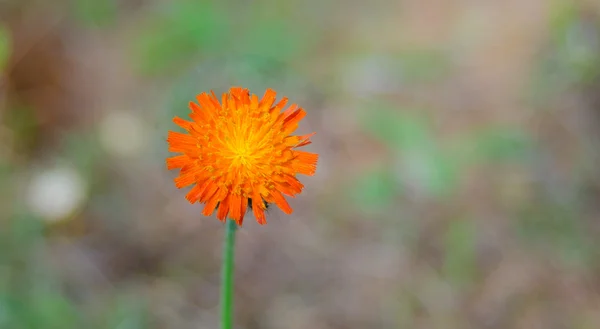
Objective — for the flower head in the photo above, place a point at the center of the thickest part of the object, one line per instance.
(240, 153)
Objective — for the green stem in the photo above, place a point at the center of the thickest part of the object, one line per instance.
(227, 267)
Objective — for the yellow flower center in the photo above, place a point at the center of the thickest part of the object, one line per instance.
(246, 148)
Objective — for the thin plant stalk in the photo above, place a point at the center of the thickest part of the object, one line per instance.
(227, 269)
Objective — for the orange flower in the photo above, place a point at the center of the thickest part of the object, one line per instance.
(239, 153)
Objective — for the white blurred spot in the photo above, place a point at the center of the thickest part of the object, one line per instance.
(56, 193)
(122, 133)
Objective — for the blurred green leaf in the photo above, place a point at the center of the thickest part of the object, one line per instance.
(563, 14)
(579, 52)
(559, 230)
(399, 130)
(422, 65)
(431, 170)
(83, 151)
(406, 309)
(375, 190)
(5, 47)
(127, 313)
(54, 311)
(96, 13)
(42, 310)
(12, 310)
(6, 177)
(502, 144)
(460, 252)
(5, 316)
(25, 229)
(574, 56)
(420, 160)
(179, 32)
(271, 39)
(24, 122)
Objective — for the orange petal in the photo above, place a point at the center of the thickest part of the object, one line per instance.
(257, 201)
(177, 161)
(206, 105)
(294, 184)
(210, 206)
(239, 92)
(235, 207)
(267, 100)
(188, 178)
(187, 125)
(224, 101)
(214, 100)
(259, 215)
(285, 189)
(291, 122)
(196, 109)
(303, 143)
(281, 202)
(223, 208)
(209, 191)
(193, 195)
(196, 118)
(180, 142)
(254, 102)
(287, 184)
(244, 209)
(304, 140)
(291, 141)
(289, 111)
(297, 141)
(305, 162)
(275, 110)
(200, 114)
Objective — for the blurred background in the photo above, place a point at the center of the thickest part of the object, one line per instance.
(457, 187)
